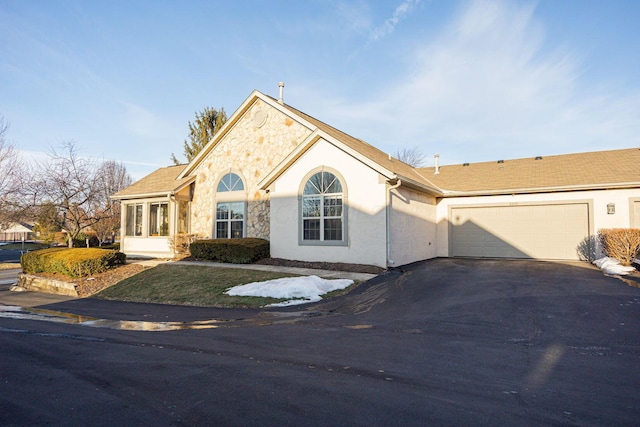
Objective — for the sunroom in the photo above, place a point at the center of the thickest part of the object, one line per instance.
(154, 209)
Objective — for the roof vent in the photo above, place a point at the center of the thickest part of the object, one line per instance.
(500, 161)
(281, 98)
(436, 158)
(538, 157)
(465, 164)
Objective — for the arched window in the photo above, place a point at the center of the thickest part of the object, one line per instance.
(231, 210)
(322, 209)
(230, 182)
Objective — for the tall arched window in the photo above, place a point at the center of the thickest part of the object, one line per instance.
(323, 214)
(230, 212)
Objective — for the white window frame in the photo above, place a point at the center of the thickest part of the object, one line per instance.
(136, 225)
(322, 218)
(236, 194)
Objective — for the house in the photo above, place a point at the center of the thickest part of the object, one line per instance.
(319, 194)
(17, 232)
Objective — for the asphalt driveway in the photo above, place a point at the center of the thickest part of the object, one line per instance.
(445, 342)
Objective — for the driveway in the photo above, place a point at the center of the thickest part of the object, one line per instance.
(445, 342)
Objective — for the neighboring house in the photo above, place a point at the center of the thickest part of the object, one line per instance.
(17, 232)
(318, 194)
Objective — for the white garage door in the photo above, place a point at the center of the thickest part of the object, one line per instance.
(533, 231)
(636, 215)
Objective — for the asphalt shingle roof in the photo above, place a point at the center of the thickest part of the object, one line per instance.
(600, 169)
(162, 181)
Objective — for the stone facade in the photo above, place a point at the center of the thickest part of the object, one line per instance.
(256, 144)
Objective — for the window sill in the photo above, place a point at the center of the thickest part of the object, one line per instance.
(322, 243)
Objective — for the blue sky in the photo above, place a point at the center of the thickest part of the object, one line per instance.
(470, 80)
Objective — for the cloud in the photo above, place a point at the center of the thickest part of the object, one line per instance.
(491, 86)
(389, 24)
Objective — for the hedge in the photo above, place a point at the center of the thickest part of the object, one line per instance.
(236, 251)
(74, 262)
(622, 244)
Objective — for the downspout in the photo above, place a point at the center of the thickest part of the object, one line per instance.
(398, 183)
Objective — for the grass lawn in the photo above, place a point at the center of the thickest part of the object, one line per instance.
(190, 285)
(28, 246)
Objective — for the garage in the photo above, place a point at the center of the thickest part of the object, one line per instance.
(545, 231)
(635, 214)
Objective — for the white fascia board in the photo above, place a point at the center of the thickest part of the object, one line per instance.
(223, 131)
(615, 186)
(305, 145)
(234, 118)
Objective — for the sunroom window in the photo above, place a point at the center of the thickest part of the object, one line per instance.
(133, 220)
(159, 219)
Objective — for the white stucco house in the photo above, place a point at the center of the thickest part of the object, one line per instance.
(318, 194)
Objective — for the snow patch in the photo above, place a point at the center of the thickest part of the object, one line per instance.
(297, 290)
(610, 265)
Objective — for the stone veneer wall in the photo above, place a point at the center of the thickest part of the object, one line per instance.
(253, 148)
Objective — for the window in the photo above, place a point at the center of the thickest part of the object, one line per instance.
(133, 220)
(230, 182)
(322, 209)
(159, 219)
(183, 217)
(230, 220)
(231, 208)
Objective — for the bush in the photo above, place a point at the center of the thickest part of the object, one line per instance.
(115, 246)
(236, 251)
(622, 244)
(75, 262)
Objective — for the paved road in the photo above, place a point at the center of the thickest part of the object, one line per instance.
(447, 342)
(7, 255)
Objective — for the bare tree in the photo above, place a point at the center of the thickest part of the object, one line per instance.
(69, 183)
(412, 156)
(112, 177)
(11, 173)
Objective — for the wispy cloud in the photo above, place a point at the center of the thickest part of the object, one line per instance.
(489, 86)
(389, 24)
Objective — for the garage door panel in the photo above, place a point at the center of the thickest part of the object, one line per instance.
(636, 215)
(529, 231)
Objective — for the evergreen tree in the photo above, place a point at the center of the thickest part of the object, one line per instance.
(207, 123)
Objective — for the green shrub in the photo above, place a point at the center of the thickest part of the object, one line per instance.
(622, 244)
(114, 246)
(236, 251)
(75, 262)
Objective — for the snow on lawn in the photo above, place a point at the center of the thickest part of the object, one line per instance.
(610, 265)
(298, 290)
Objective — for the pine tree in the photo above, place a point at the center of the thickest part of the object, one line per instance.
(205, 126)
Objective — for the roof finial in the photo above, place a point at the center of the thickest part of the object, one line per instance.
(281, 86)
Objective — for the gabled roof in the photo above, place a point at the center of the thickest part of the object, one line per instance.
(378, 160)
(161, 182)
(399, 169)
(579, 171)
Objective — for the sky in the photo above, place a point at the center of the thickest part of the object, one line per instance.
(470, 80)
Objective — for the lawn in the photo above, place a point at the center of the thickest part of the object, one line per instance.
(28, 246)
(190, 285)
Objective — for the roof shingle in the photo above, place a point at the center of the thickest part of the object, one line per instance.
(593, 170)
(160, 182)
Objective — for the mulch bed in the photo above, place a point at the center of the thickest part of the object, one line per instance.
(333, 266)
